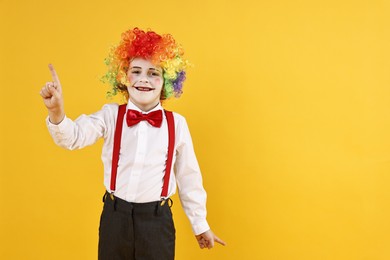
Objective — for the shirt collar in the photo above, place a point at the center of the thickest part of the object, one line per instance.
(131, 105)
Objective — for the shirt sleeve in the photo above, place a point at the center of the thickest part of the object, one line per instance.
(189, 180)
(84, 131)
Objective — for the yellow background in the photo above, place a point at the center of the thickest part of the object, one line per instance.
(288, 105)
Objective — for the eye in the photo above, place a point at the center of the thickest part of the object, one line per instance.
(155, 73)
(136, 72)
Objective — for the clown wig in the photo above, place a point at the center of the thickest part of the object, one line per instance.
(161, 50)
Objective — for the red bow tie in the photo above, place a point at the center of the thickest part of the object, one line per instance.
(154, 118)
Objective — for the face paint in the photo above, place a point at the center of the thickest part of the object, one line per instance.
(146, 82)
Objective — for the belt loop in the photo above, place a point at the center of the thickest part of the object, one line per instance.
(159, 206)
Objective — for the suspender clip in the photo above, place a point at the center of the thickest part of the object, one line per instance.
(165, 200)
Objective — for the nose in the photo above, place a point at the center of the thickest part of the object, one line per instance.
(144, 80)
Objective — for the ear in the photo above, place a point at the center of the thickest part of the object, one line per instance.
(122, 87)
(163, 96)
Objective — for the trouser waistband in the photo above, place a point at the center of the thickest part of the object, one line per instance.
(122, 205)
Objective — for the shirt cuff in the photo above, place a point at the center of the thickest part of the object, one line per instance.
(57, 127)
(200, 227)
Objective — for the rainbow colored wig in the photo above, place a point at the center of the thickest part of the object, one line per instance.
(161, 50)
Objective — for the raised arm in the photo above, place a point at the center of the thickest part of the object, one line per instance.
(52, 97)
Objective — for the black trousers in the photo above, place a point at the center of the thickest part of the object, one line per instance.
(136, 231)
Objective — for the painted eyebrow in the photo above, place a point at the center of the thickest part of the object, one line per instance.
(136, 67)
(155, 69)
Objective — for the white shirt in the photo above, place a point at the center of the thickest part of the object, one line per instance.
(142, 157)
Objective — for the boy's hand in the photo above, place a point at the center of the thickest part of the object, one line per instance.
(207, 239)
(52, 97)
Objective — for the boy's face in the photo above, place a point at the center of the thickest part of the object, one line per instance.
(146, 82)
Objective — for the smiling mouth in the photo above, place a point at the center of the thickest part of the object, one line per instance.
(144, 88)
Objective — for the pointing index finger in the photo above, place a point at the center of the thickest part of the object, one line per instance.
(54, 75)
(218, 240)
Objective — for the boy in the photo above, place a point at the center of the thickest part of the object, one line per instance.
(142, 144)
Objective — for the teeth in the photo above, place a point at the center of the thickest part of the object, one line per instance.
(143, 89)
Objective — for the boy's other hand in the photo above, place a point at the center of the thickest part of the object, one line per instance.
(207, 240)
